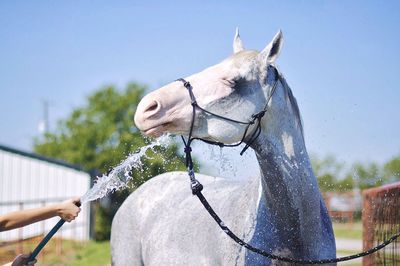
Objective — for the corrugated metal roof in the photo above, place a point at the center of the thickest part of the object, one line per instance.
(41, 158)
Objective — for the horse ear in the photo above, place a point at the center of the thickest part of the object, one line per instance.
(237, 42)
(271, 52)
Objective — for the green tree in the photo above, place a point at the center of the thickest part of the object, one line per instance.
(100, 135)
(345, 184)
(391, 170)
(367, 175)
(327, 170)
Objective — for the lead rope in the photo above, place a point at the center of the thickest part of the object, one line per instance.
(197, 187)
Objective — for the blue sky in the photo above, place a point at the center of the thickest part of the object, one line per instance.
(341, 59)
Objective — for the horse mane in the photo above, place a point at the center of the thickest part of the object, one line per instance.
(289, 97)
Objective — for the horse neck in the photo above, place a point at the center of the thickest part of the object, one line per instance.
(289, 186)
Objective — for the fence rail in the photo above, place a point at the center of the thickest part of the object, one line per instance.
(381, 220)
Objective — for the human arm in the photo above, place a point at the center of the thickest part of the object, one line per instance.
(67, 210)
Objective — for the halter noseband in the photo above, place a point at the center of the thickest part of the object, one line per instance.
(255, 118)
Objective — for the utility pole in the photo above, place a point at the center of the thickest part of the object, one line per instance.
(44, 123)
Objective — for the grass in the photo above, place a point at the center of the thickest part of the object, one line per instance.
(65, 252)
(95, 253)
(348, 231)
(89, 253)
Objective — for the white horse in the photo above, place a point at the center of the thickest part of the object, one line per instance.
(281, 212)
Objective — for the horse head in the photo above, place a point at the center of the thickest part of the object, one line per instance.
(236, 88)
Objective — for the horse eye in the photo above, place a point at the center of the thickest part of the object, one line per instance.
(228, 82)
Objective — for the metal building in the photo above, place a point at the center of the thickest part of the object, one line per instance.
(28, 180)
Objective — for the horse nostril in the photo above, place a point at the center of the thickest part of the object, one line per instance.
(152, 108)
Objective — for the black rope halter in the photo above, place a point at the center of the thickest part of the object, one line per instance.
(255, 119)
(197, 187)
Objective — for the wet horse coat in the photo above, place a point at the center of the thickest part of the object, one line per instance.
(281, 211)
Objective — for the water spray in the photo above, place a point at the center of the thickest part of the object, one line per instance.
(117, 179)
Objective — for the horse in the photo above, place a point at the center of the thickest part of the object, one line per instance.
(281, 211)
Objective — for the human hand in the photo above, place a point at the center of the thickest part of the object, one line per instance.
(68, 210)
(21, 260)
